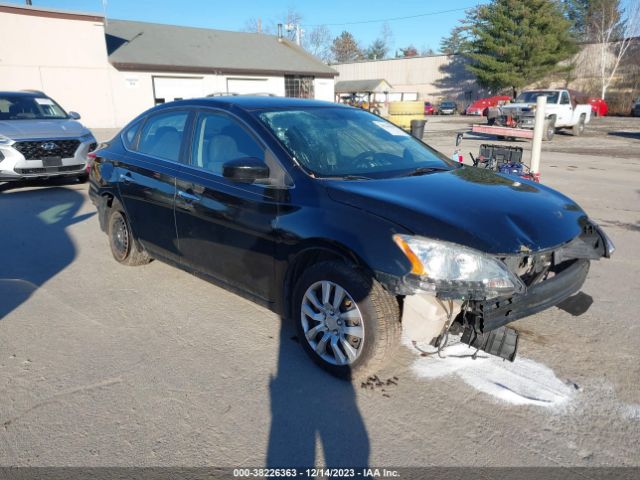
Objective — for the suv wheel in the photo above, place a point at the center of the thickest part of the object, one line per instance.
(121, 241)
(346, 321)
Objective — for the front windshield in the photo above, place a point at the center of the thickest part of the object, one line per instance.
(530, 97)
(29, 107)
(342, 142)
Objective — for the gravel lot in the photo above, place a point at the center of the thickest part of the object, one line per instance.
(105, 365)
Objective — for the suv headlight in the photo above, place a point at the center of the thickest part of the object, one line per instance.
(5, 140)
(456, 271)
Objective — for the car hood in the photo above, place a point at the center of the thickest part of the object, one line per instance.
(494, 213)
(519, 105)
(25, 129)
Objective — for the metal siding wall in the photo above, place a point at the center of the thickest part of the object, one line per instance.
(421, 74)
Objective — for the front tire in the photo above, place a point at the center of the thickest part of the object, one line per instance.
(121, 241)
(346, 322)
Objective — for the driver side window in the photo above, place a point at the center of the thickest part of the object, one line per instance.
(564, 99)
(219, 139)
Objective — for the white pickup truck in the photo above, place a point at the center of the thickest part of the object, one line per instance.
(564, 110)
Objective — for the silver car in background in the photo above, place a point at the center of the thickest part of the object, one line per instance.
(38, 139)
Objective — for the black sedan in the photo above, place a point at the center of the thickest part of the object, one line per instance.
(448, 107)
(339, 221)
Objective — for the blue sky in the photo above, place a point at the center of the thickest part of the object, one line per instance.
(422, 32)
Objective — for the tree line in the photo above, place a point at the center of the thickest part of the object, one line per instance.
(343, 48)
(506, 44)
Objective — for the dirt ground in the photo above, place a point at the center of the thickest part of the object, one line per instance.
(105, 365)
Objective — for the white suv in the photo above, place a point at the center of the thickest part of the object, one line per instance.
(38, 139)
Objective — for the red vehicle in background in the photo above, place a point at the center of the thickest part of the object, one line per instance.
(429, 109)
(598, 106)
(480, 106)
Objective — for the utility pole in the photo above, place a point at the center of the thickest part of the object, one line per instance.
(538, 132)
(29, 2)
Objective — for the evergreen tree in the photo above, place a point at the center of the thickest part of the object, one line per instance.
(577, 12)
(377, 50)
(516, 42)
(455, 42)
(345, 48)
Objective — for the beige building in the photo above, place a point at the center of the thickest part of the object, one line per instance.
(433, 78)
(110, 71)
(438, 77)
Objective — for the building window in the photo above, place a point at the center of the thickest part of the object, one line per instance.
(298, 86)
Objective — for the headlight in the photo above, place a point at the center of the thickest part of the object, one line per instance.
(5, 140)
(455, 271)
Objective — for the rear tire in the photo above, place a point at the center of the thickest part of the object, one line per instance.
(121, 241)
(346, 322)
(578, 128)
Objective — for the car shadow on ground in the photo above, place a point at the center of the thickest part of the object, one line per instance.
(632, 135)
(307, 405)
(34, 243)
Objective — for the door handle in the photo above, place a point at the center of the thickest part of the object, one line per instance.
(125, 177)
(188, 197)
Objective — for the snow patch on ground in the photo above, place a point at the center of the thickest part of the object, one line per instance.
(632, 412)
(523, 382)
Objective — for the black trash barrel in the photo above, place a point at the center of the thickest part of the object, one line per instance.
(417, 128)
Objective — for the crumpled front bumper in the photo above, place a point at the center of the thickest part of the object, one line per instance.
(566, 277)
(496, 313)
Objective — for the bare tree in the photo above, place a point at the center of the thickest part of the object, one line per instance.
(386, 34)
(613, 30)
(255, 25)
(291, 20)
(426, 51)
(318, 43)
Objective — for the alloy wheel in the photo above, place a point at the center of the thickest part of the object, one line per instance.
(332, 323)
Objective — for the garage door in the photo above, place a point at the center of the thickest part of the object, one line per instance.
(247, 85)
(168, 89)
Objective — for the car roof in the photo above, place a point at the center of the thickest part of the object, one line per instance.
(22, 93)
(258, 102)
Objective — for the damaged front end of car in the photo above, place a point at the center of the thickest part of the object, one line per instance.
(455, 289)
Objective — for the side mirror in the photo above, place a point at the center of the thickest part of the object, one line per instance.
(74, 115)
(245, 170)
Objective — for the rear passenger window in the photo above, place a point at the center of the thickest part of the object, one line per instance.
(129, 136)
(161, 135)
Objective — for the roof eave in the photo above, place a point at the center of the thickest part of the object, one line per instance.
(148, 67)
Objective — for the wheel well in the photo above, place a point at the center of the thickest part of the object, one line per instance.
(305, 259)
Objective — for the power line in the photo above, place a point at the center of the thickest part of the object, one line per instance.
(392, 19)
